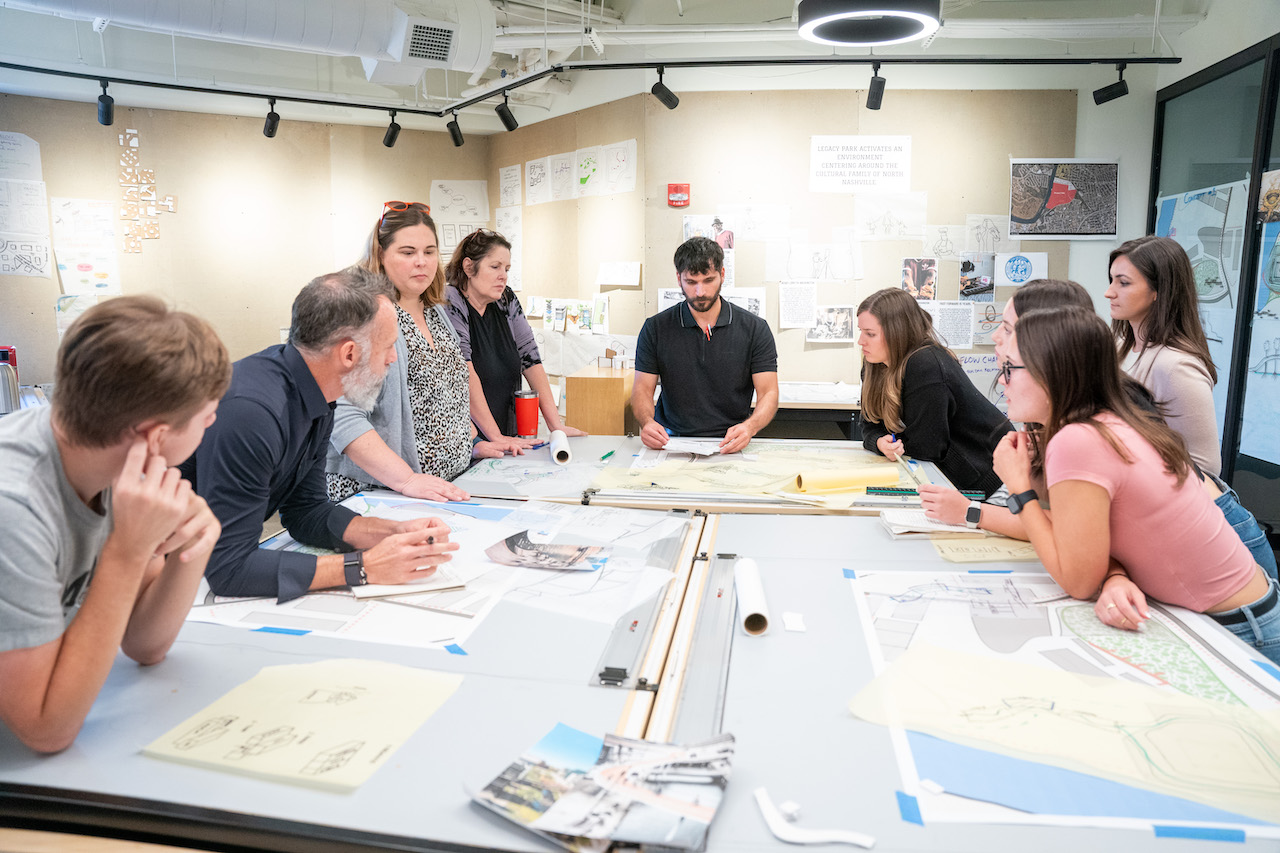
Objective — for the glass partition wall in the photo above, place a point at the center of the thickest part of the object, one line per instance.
(1216, 190)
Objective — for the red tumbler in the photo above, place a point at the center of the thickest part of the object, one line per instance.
(527, 414)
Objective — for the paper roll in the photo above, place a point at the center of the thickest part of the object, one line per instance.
(841, 480)
(753, 610)
(560, 447)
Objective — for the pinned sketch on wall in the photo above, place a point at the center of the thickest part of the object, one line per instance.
(588, 173)
(23, 207)
(509, 185)
(1063, 200)
(953, 321)
(977, 276)
(944, 242)
(833, 324)
(798, 259)
(982, 369)
(24, 254)
(460, 201)
(67, 309)
(600, 314)
(618, 274)
(537, 181)
(890, 216)
(756, 221)
(989, 233)
(562, 168)
(508, 223)
(844, 261)
(1209, 224)
(986, 319)
(698, 225)
(619, 162)
(848, 164)
(1017, 269)
(329, 724)
(19, 158)
(797, 304)
(751, 299)
(84, 244)
(1259, 436)
(920, 277)
(721, 234)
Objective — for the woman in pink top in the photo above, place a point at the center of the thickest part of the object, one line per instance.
(1128, 519)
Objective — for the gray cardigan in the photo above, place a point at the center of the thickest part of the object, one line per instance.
(391, 418)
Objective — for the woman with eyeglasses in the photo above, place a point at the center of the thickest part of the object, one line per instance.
(916, 398)
(419, 434)
(496, 340)
(1152, 294)
(1129, 518)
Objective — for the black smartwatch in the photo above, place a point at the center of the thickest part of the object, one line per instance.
(1020, 500)
(973, 515)
(353, 568)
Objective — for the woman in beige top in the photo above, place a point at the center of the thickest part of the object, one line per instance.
(1161, 343)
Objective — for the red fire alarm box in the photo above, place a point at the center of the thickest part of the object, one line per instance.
(677, 195)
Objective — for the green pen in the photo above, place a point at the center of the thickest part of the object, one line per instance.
(606, 456)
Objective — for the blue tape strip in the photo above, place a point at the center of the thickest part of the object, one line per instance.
(1269, 668)
(849, 573)
(991, 571)
(294, 632)
(909, 808)
(454, 649)
(1202, 833)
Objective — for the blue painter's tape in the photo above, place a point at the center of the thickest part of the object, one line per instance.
(849, 573)
(294, 632)
(909, 808)
(454, 649)
(1202, 833)
(991, 571)
(1269, 668)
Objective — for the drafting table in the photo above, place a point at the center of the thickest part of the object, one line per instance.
(785, 696)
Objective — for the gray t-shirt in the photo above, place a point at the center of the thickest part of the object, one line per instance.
(49, 539)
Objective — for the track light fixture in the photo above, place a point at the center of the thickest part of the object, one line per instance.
(393, 131)
(1117, 89)
(875, 92)
(106, 107)
(455, 132)
(504, 112)
(665, 96)
(272, 124)
(867, 23)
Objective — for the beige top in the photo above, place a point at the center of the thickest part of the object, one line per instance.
(1181, 386)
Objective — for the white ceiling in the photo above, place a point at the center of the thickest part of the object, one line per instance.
(197, 43)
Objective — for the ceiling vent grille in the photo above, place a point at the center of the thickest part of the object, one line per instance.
(430, 43)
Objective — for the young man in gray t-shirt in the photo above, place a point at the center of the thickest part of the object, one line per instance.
(103, 543)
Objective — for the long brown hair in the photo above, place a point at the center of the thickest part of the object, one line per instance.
(474, 247)
(384, 234)
(1173, 320)
(906, 328)
(1071, 353)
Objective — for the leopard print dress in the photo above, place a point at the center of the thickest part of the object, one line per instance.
(440, 398)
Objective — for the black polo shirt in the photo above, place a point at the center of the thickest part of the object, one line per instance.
(706, 382)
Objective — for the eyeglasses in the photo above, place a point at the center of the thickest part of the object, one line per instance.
(1006, 370)
(397, 206)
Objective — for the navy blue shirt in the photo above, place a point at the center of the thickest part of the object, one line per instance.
(706, 381)
(266, 452)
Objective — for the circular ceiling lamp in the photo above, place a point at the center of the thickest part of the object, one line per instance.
(867, 23)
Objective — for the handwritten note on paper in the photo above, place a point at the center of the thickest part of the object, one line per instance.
(993, 549)
(509, 185)
(329, 724)
(537, 181)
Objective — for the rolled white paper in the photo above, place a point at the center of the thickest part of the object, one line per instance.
(753, 611)
(560, 447)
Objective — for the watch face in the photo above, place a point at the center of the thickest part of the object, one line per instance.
(973, 514)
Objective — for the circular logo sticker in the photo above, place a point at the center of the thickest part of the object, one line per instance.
(1018, 269)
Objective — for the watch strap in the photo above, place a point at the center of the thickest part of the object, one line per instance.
(973, 515)
(1020, 500)
(353, 568)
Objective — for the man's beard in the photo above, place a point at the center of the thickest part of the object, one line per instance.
(362, 385)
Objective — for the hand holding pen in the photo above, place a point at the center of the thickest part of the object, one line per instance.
(890, 447)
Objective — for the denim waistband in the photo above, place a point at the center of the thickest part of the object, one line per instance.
(1260, 607)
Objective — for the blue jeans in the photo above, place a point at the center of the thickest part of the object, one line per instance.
(1257, 624)
(1246, 527)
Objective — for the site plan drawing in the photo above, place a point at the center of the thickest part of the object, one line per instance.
(1063, 200)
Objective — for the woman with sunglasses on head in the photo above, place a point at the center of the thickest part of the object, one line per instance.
(496, 340)
(419, 434)
(1152, 293)
(916, 398)
(1129, 518)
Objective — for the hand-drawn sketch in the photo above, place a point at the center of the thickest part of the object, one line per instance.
(562, 168)
(509, 186)
(332, 759)
(989, 233)
(1209, 224)
(588, 176)
(944, 242)
(204, 732)
(889, 216)
(24, 254)
(1259, 436)
(619, 159)
(460, 201)
(537, 181)
(1063, 200)
(800, 260)
(263, 742)
(509, 223)
(985, 321)
(756, 221)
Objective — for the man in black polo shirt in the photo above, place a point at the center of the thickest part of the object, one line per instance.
(266, 452)
(710, 356)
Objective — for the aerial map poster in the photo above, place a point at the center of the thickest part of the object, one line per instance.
(1063, 200)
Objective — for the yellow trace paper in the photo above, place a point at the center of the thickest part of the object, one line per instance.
(329, 724)
(844, 479)
(993, 549)
(1226, 756)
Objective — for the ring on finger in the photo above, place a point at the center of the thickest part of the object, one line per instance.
(1111, 607)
